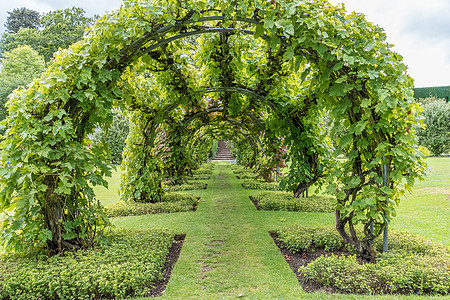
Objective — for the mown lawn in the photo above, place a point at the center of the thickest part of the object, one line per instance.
(228, 252)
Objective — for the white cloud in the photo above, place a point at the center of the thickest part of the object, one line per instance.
(419, 30)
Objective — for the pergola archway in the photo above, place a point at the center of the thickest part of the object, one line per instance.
(290, 62)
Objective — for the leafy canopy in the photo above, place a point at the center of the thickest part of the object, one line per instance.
(271, 69)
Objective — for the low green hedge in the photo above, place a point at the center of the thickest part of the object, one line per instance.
(412, 265)
(209, 166)
(253, 184)
(241, 170)
(299, 238)
(171, 202)
(128, 264)
(286, 201)
(247, 175)
(393, 273)
(202, 171)
(187, 187)
(199, 177)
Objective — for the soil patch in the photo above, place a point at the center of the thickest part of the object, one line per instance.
(174, 252)
(255, 203)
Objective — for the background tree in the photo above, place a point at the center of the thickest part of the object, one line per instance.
(114, 136)
(436, 135)
(19, 67)
(25, 36)
(59, 29)
(22, 18)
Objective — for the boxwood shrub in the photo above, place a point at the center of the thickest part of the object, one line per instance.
(412, 265)
(248, 174)
(199, 177)
(187, 187)
(202, 171)
(171, 202)
(209, 166)
(286, 201)
(126, 265)
(253, 184)
(404, 273)
(299, 238)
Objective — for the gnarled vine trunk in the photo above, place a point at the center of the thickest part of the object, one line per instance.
(363, 247)
(53, 217)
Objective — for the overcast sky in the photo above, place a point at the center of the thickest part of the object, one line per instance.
(419, 30)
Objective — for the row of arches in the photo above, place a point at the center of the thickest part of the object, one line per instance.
(274, 67)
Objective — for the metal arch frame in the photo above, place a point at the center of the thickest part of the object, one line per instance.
(249, 137)
(215, 126)
(218, 109)
(241, 125)
(135, 47)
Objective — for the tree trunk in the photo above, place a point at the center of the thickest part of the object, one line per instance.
(301, 188)
(363, 248)
(53, 218)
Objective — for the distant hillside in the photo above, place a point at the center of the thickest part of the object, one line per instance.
(436, 91)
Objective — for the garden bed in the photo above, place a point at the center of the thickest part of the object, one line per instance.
(187, 187)
(413, 266)
(130, 263)
(170, 203)
(254, 184)
(274, 200)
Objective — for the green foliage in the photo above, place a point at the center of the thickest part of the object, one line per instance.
(125, 265)
(170, 203)
(247, 175)
(187, 187)
(299, 238)
(254, 184)
(439, 92)
(244, 173)
(114, 136)
(199, 177)
(405, 242)
(58, 30)
(240, 85)
(202, 171)
(22, 18)
(213, 150)
(141, 177)
(412, 265)
(19, 67)
(436, 134)
(393, 273)
(286, 201)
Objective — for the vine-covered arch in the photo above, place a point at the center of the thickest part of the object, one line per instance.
(291, 63)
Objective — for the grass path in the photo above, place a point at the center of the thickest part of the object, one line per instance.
(228, 252)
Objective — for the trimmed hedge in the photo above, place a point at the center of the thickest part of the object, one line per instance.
(209, 166)
(440, 92)
(170, 203)
(246, 174)
(199, 177)
(187, 187)
(412, 265)
(202, 171)
(299, 238)
(128, 264)
(393, 273)
(253, 184)
(286, 201)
